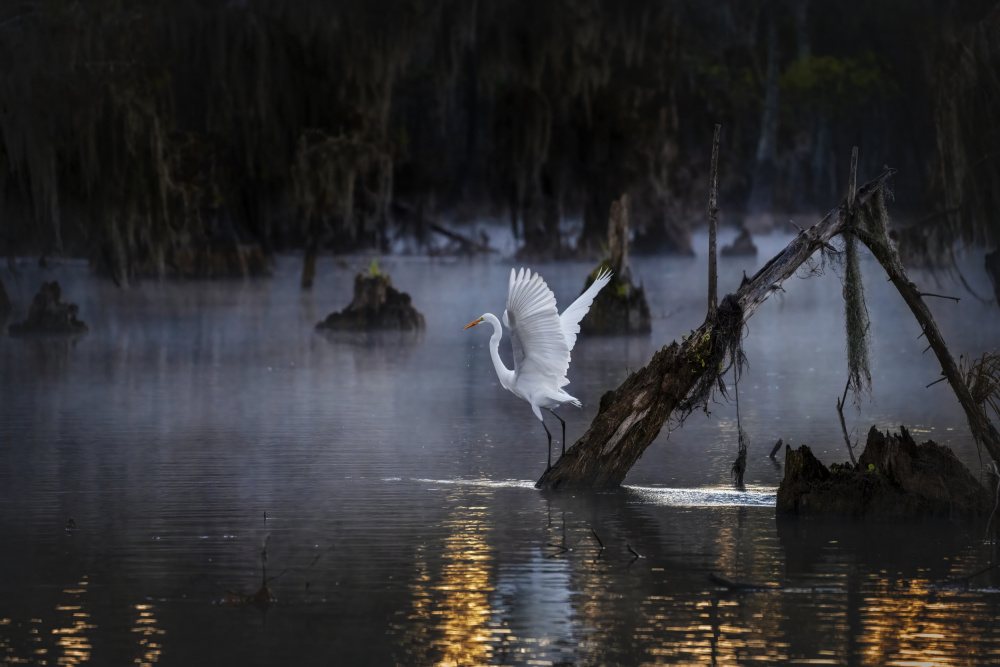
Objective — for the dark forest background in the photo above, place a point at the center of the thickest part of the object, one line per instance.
(142, 134)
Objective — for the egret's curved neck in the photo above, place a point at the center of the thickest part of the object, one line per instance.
(505, 374)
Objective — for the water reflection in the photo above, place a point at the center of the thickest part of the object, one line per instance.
(71, 638)
(451, 607)
(902, 625)
(62, 637)
(145, 626)
(190, 409)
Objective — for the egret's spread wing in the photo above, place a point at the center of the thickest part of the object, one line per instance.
(535, 331)
(570, 318)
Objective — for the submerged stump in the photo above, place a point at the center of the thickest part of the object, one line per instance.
(896, 479)
(49, 315)
(742, 246)
(376, 305)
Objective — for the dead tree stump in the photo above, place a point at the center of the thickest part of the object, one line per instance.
(895, 479)
(49, 315)
(621, 307)
(376, 305)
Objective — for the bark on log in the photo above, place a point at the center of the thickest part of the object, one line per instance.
(631, 416)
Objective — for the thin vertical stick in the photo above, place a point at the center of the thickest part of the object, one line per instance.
(843, 426)
(852, 185)
(713, 224)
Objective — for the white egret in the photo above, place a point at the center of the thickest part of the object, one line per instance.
(542, 340)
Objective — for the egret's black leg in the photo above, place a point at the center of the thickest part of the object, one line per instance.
(550, 443)
(564, 429)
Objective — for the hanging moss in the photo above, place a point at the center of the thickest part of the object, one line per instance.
(856, 321)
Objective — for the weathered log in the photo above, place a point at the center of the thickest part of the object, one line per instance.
(631, 416)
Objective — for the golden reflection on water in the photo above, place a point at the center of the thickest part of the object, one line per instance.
(71, 629)
(909, 625)
(450, 619)
(145, 626)
(72, 637)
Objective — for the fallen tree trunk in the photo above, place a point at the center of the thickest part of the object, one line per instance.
(681, 376)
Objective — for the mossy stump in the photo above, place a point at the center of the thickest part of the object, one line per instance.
(376, 305)
(48, 315)
(619, 308)
(896, 479)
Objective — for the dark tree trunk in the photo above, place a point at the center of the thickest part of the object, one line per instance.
(823, 185)
(5, 305)
(762, 192)
(993, 271)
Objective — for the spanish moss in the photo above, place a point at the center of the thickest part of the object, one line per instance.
(856, 322)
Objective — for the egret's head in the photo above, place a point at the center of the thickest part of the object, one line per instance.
(473, 323)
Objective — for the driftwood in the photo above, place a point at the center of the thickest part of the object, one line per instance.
(680, 376)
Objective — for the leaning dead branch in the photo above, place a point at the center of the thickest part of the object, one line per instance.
(874, 235)
(982, 377)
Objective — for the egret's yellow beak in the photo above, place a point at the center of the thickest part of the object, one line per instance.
(473, 323)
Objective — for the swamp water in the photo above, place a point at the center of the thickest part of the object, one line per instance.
(388, 481)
